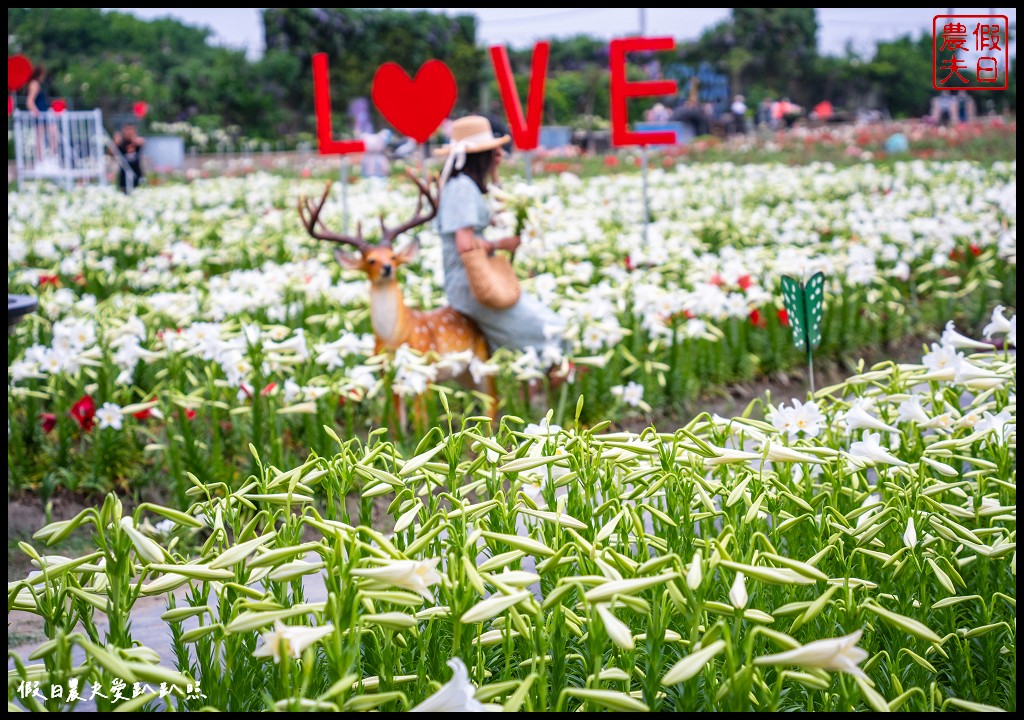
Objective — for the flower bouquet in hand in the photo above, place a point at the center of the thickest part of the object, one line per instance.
(514, 207)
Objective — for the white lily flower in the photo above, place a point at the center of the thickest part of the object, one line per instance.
(1000, 425)
(836, 654)
(694, 576)
(869, 451)
(147, 549)
(857, 418)
(999, 325)
(415, 575)
(911, 411)
(456, 695)
(292, 640)
(738, 592)
(618, 631)
(942, 362)
(110, 416)
(951, 337)
(910, 534)
(968, 372)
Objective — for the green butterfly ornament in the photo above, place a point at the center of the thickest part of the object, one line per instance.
(804, 303)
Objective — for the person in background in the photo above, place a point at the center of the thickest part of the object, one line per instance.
(823, 111)
(739, 114)
(375, 165)
(764, 113)
(658, 114)
(129, 143)
(38, 103)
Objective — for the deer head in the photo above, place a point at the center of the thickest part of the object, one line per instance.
(380, 262)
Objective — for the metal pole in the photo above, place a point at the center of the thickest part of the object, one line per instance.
(344, 194)
(65, 162)
(643, 185)
(426, 155)
(20, 134)
(528, 166)
(810, 368)
(97, 118)
(643, 21)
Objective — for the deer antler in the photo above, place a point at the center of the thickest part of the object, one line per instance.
(388, 235)
(309, 212)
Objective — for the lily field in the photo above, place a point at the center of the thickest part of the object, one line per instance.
(207, 368)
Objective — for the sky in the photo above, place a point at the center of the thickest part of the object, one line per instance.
(520, 27)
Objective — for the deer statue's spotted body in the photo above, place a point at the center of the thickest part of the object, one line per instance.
(441, 331)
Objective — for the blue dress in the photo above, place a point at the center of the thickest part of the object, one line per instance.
(528, 323)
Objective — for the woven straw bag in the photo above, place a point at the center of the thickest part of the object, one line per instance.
(492, 279)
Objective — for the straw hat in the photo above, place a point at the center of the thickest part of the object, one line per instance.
(470, 134)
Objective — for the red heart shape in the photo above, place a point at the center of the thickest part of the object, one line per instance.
(415, 106)
(19, 70)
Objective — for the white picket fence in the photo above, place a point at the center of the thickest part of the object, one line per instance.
(68, 148)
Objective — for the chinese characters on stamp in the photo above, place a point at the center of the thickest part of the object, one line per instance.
(970, 52)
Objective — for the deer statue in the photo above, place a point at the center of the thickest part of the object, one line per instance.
(439, 331)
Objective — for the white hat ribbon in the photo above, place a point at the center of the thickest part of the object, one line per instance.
(457, 150)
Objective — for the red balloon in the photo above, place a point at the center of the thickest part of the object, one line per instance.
(58, 105)
(19, 70)
(415, 106)
(10, 104)
(140, 109)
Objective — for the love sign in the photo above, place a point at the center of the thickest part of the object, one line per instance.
(525, 131)
(416, 106)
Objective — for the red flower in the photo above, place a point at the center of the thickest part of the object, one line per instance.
(190, 414)
(716, 279)
(975, 250)
(84, 412)
(45, 280)
(956, 255)
(611, 161)
(268, 389)
(744, 282)
(755, 318)
(144, 414)
(48, 421)
(629, 263)
(783, 317)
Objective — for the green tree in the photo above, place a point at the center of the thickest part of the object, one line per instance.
(358, 41)
(902, 73)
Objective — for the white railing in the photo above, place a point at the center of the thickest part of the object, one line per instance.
(67, 147)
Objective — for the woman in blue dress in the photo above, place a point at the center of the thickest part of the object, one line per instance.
(472, 160)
